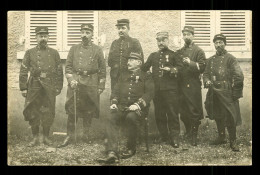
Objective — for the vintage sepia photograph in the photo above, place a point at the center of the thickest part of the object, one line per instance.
(129, 88)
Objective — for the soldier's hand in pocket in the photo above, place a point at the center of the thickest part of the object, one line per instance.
(24, 93)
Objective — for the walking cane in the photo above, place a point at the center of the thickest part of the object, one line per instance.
(75, 112)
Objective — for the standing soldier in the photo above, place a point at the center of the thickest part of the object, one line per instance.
(85, 71)
(224, 78)
(191, 111)
(44, 84)
(120, 50)
(129, 102)
(165, 66)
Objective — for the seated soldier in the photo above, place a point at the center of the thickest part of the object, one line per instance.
(129, 102)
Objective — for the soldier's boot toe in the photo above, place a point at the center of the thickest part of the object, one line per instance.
(66, 142)
(34, 142)
(128, 153)
(109, 159)
(175, 143)
(47, 141)
(234, 146)
(194, 141)
(219, 141)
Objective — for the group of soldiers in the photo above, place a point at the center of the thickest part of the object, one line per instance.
(171, 79)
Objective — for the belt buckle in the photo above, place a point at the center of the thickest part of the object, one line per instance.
(43, 75)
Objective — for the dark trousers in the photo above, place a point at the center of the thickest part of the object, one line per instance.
(166, 113)
(41, 114)
(189, 115)
(223, 120)
(116, 119)
(71, 123)
(113, 83)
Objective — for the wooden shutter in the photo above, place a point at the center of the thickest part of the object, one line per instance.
(203, 27)
(42, 18)
(235, 25)
(72, 21)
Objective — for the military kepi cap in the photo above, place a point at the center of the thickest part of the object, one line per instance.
(188, 29)
(220, 37)
(87, 27)
(134, 55)
(122, 22)
(162, 34)
(41, 29)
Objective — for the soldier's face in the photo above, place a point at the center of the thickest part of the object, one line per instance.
(86, 35)
(187, 37)
(162, 43)
(133, 64)
(123, 31)
(219, 45)
(42, 39)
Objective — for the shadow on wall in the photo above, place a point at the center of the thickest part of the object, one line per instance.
(19, 127)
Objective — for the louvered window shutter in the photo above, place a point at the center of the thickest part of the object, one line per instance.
(235, 25)
(51, 19)
(72, 21)
(204, 27)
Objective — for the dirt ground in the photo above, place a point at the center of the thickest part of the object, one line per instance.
(83, 154)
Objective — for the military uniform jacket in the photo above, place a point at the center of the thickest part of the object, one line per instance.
(133, 87)
(164, 80)
(46, 71)
(190, 79)
(119, 53)
(86, 65)
(227, 84)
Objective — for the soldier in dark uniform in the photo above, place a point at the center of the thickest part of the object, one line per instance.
(224, 78)
(120, 50)
(191, 111)
(165, 65)
(44, 84)
(85, 71)
(129, 101)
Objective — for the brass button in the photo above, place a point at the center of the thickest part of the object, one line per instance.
(188, 85)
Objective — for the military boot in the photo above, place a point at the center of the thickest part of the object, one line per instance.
(234, 145)
(175, 141)
(221, 134)
(68, 140)
(232, 138)
(35, 133)
(86, 128)
(46, 139)
(86, 136)
(35, 141)
(194, 135)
